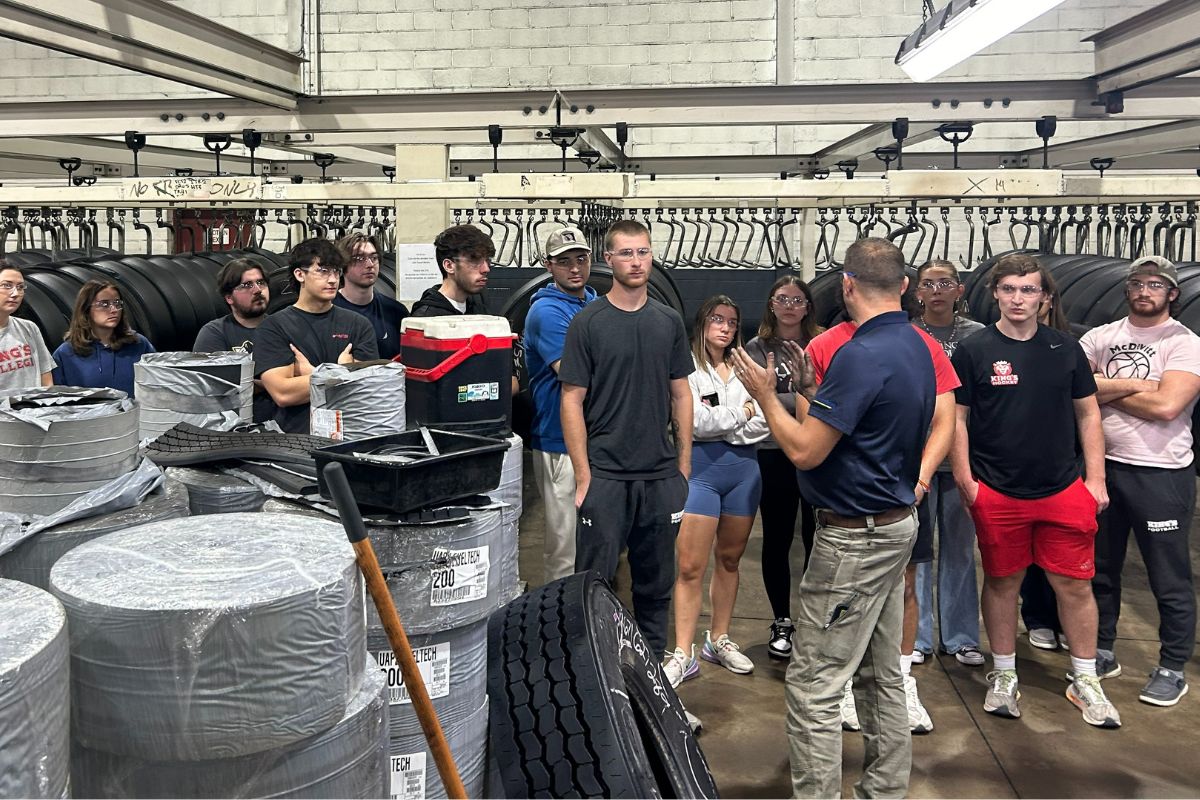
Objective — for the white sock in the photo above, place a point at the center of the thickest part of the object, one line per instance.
(906, 664)
(1004, 662)
(1083, 666)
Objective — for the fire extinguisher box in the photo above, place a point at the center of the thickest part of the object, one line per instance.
(458, 373)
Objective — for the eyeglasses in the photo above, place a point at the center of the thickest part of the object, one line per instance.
(783, 301)
(246, 286)
(109, 304)
(1133, 286)
(476, 263)
(723, 322)
(12, 288)
(945, 285)
(325, 272)
(629, 253)
(1008, 290)
(580, 261)
(364, 259)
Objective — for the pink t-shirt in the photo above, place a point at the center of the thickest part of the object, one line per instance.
(1121, 350)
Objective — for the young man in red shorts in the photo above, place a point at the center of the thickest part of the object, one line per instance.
(1026, 391)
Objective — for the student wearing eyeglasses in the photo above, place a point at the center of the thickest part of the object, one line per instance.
(100, 348)
(1027, 392)
(313, 331)
(243, 286)
(25, 361)
(358, 292)
(464, 256)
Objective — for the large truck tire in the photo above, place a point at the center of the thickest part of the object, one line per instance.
(579, 704)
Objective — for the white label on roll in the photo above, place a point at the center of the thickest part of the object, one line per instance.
(326, 423)
(434, 663)
(460, 577)
(408, 777)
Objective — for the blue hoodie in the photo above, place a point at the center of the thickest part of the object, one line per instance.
(550, 314)
(104, 368)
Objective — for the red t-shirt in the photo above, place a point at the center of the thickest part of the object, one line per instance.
(821, 349)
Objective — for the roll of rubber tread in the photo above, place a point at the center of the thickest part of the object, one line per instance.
(174, 296)
(348, 760)
(44, 470)
(198, 291)
(468, 742)
(580, 705)
(27, 258)
(174, 387)
(41, 309)
(31, 560)
(1088, 290)
(62, 289)
(205, 269)
(370, 400)
(211, 492)
(161, 326)
(211, 637)
(509, 492)
(453, 664)
(387, 273)
(825, 288)
(269, 259)
(35, 714)
(135, 306)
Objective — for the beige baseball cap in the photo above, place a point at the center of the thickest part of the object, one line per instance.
(1155, 265)
(565, 239)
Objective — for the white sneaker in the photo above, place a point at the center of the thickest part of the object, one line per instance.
(918, 656)
(1087, 695)
(726, 653)
(918, 717)
(849, 710)
(1003, 694)
(1043, 639)
(679, 666)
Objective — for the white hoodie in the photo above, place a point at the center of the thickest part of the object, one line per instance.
(725, 421)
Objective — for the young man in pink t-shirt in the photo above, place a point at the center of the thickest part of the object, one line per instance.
(1147, 369)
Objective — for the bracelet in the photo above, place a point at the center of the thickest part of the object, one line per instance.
(923, 485)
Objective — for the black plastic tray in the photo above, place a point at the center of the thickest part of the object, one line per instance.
(467, 465)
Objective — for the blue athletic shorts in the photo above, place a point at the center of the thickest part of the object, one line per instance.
(725, 480)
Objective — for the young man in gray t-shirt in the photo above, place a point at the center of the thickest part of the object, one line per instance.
(25, 362)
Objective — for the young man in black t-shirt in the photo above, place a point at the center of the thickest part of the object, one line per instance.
(624, 372)
(1026, 390)
(358, 292)
(313, 331)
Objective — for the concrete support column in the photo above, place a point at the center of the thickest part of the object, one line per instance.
(420, 221)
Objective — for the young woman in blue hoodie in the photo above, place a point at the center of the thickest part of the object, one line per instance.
(100, 348)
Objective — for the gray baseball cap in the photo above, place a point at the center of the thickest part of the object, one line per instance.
(1155, 265)
(565, 239)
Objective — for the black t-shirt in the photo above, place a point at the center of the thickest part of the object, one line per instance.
(1022, 422)
(227, 333)
(385, 315)
(626, 360)
(320, 337)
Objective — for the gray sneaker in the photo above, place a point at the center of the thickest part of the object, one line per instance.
(1002, 696)
(1043, 638)
(1087, 695)
(1163, 688)
(1105, 668)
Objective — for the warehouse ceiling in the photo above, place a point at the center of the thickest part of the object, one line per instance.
(1150, 115)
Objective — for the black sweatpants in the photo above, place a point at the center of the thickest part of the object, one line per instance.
(644, 517)
(1039, 603)
(780, 503)
(1157, 504)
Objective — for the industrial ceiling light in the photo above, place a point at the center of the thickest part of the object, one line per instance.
(960, 30)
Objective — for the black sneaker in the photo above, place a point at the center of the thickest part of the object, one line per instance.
(1163, 688)
(780, 643)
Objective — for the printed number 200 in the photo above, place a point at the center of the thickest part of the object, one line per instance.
(443, 579)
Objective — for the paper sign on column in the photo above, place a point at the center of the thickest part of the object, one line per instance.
(416, 271)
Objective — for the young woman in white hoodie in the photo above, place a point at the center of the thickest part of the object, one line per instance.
(723, 493)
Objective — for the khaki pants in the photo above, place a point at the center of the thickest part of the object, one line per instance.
(556, 483)
(849, 622)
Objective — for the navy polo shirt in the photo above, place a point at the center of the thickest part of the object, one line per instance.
(879, 391)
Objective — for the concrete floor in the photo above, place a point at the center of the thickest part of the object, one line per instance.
(1049, 752)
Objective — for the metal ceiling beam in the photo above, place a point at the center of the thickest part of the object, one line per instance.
(380, 156)
(1159, 43)
(862, 144)
(1171, 137)
(596, 139)
(862, 104)
(390, 138)
(159, 39)
(108, 152)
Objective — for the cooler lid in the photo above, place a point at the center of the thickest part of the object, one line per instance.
(457, 326)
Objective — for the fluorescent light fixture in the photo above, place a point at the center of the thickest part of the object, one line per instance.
(960, 30)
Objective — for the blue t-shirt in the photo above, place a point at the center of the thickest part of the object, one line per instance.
(550, 314)
(105, 368)
(879, 391)
(385, 315)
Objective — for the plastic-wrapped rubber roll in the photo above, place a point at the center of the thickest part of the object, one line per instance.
(217, 493)
(414, 774)
(31, 560)
(348, 760)
(349, 404)
(35, 715)
(453, 664)
(52, 453)
(208, 390)
(211, 637)
(510, 492)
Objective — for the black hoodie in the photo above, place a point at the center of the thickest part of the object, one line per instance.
(435, 304)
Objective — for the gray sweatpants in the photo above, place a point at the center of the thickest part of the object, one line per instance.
(849, 622)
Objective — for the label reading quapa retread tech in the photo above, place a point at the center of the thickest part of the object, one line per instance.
(460, 577)
(408, 777)
(433, 661)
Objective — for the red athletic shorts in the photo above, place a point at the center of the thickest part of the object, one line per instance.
(1057, 533)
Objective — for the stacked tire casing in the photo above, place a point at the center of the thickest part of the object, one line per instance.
(212, 492)
(509, 493)
(221, 656)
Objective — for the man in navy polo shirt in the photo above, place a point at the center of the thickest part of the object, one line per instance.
(857, 443)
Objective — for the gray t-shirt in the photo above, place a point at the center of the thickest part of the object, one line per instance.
(24, 357)
(949, 337)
